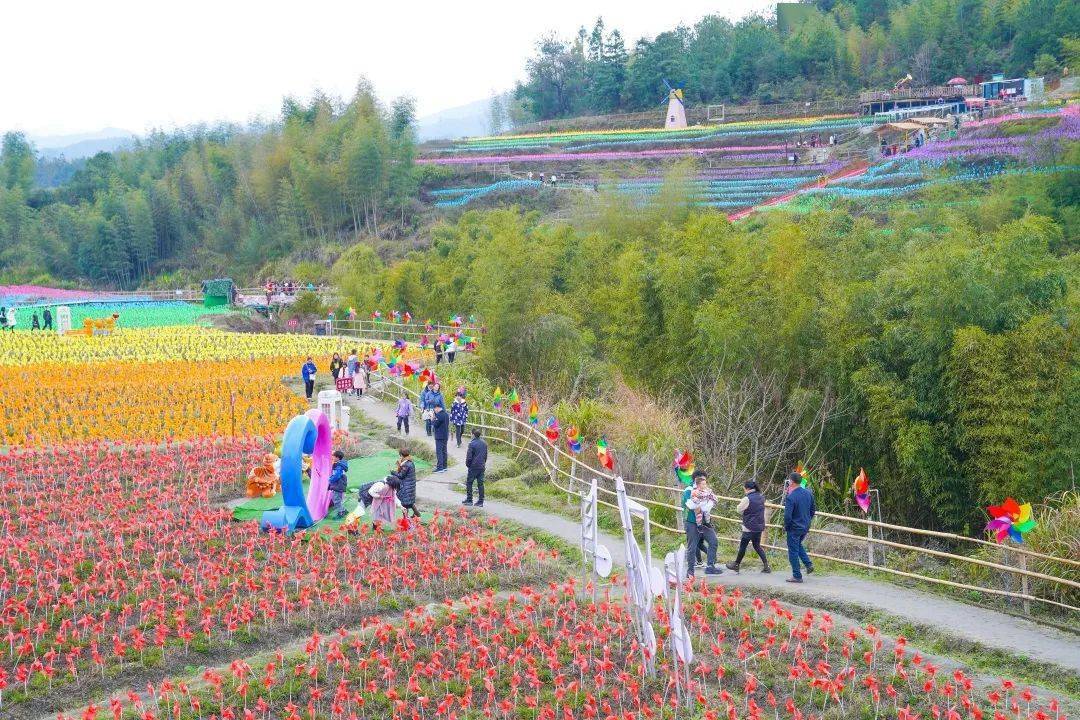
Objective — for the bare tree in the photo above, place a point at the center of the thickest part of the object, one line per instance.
(750, 426)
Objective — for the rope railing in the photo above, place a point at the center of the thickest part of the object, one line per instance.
(565, 470)
(383, 330)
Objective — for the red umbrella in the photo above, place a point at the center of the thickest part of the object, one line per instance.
(957, 81)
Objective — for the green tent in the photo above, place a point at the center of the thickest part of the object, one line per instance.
(218, 292)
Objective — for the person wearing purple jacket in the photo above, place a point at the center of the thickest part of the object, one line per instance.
(403, 411)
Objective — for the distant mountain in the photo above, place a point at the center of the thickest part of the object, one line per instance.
(471, 119)
(82, 145)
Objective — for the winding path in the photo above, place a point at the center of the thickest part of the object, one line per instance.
(987, 627)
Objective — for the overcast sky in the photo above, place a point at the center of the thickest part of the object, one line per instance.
(75, 66)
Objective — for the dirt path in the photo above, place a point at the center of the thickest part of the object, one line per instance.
(975, 624)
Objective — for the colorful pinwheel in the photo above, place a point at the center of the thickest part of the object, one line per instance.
(1010, 520)
(573, 439)
(534, 413)
(552, 430)
(399, 344)
(862, 490)
(515, 401)
(607, 460)
(684, 467)
(407, 317)
(497, 398)
(377, 315)
(804, 472)
(395, 315)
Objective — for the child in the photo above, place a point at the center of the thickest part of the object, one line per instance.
(459, 414)
(404, 410)
(339, 483)
(702, 501)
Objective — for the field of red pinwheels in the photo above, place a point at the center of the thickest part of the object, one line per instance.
(547, 653)
(116, 563)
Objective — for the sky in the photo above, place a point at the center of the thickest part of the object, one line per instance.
(76, 66)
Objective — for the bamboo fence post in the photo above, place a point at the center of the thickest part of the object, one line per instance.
(1024, 585)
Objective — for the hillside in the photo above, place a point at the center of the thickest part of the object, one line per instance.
(832, 48)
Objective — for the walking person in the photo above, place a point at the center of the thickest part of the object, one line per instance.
(35, 324)
(339, 483)
(451, 350)
(405, 472)
(352, 369)
(752, 508)
(475, 464)
(336, 366)
(403, 411)
(437, 396)
(360, 382)
(308, 373)
(46, 317)
(440, 430)
(459, 414)
(698, 524)
(438, 347)
(427, 406)
(799, 512)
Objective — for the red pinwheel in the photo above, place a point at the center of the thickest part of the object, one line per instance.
(861, 488)
(552, 430)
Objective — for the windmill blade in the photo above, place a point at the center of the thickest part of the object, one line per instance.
(667, 84)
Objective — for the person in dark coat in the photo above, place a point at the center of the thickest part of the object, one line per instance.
(405, 473)
(46, 317)
(475, 463)
(752, 508)
(698, 534)
(336, 366)
(339, 483)
(307, 372)
(438, 347)
(799, 512)
(440, 429)
(35, 324)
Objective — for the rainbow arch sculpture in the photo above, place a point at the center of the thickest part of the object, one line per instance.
(309, 433)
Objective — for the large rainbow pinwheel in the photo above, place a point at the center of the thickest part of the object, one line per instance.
(684, 467)
(1010, 520)
(861, 488)
(573, 439)
(552, 429)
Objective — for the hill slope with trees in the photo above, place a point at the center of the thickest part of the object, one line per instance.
(205, 201)
(837, 48)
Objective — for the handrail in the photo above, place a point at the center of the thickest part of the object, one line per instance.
(551, 457)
